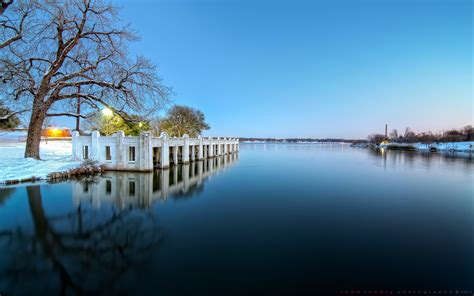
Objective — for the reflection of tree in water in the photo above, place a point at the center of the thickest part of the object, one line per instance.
(5, 194)
(81, 252)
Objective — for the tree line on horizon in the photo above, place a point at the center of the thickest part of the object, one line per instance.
(296, 140)
(454, 135)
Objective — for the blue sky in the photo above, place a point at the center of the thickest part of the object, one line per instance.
(312, 68)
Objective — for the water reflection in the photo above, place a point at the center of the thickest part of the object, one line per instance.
(318, 218)
(93, 246)
(141, 190)
(421, 159)
(74, 252)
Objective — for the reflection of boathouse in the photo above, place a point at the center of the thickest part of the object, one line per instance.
(142, 189)
(145, 152)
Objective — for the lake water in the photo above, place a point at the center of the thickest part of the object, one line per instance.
(276, 219)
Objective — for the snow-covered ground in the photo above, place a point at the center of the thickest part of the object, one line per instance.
(449, 146)
(12, 136)
(56, 156)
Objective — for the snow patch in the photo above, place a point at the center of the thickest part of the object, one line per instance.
(449, 146)
(13, 136)
(56, 157)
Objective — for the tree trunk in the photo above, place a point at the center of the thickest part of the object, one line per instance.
(34, 132)
(37, 211)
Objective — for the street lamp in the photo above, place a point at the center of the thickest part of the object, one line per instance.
(107, 112)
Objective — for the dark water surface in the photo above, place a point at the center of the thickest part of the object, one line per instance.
(277, 219)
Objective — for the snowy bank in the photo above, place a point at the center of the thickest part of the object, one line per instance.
(56, 157)
(449, 146)
(12, 136)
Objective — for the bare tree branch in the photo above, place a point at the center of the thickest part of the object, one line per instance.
(7, 25)
(69, 114)
(9, 115)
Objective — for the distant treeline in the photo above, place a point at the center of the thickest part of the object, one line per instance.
(296, 140)
(454, 135)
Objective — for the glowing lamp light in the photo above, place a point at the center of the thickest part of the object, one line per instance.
(107, 112)
(54, 132)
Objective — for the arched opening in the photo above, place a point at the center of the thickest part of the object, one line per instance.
(157, 157)
(180, 154)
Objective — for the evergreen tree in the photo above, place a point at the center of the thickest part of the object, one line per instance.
(8, 119)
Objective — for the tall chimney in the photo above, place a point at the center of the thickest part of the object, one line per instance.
(386, 131)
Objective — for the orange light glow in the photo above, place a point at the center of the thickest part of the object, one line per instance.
(55, 132)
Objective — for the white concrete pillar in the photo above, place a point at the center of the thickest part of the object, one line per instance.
(193, 152)
(95, 149)
(185, 177)
(175, 174)
(186, 149)
(146, 188)
(120, 153)
(175, 154)
(165, 183)
(145, 153)
(192, 168)
(210, 165)
(225, 146)
(165, 152)
(219, 146)
(200, 171)
(75, 136)
(201, 147)
(211, 147)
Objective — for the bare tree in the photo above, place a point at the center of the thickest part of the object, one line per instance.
(376, 138)
(12, 26)
(75, 49)
(393, 135)
(468, 133)
(4, 5)
(409, 136)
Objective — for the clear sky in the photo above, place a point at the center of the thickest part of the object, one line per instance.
(313, 68)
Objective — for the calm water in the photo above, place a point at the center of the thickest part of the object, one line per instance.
(279, 219)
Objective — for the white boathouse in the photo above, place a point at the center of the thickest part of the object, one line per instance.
(145, 152)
